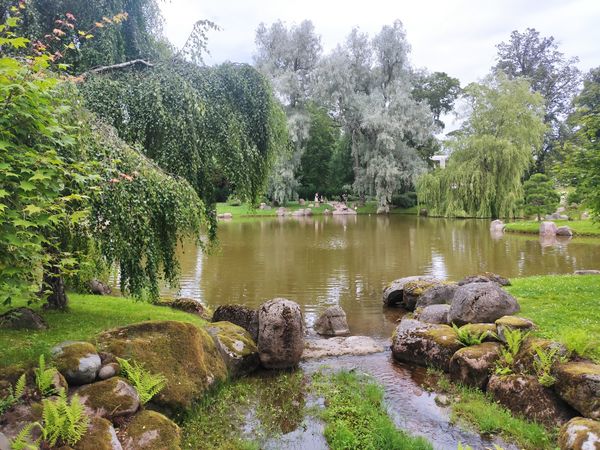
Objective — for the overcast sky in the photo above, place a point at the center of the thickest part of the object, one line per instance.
(457, 37)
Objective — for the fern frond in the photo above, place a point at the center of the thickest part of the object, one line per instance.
(146, 384)
(44, 378)
(20, 387)
(22, 440)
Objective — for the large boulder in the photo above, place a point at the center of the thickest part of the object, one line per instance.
(473, 365)
(241, 315)
(237, 347)
(332, 322)
(185, 354)
(22, 319)
(485, 277)
(433, 314)
(97, 287)
(437, 295)
(394, 292)
(188, 305)
(481, 302)
(580, 434)
(513, 323)
(280, 334)
(424, 344)
(150, 430)
(524, 395)
(110, 398)
(413, 290)
(548, 229)
(578, 383)
(78, 362)
(564, 231)
(100, 435)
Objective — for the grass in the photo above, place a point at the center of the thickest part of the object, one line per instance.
(564, 307)
(356, 417)
(579, 227)
(246, 210)
(88, 315)
(473, 407)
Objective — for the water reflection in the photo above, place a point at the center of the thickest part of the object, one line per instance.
(347, 260)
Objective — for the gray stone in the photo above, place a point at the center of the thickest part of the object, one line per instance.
(77, 361)
(548, 228)
(437, 295)
(110, 398)
(496, 226)
(338, 346)
(4, 442)
(97, 287)
(281, 211)
(578, 383)
(485, 277)
(433, 314)
(481, 302)
(280, 334)
(241, 315)
(22, 319)
(472, 365)
(332, 322)
(100, 435)
(564, 231)
(236, 346)
(587, 272)
(108, 371)
(580, 434)
(393, 294)
(513, 323)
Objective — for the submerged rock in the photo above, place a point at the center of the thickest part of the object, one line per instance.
(437, 295)
(185, 354)
(22, 319)
(280, 334)
(78, 362)
(338, 346)
(393, 293)
(241, 315)
(433, 314)
(150, 430)
(100, 435)
(237, 348)
(110, 398)
(578, 383)
(481, 302)
(332, 322)
(473, 365)
(579, 434)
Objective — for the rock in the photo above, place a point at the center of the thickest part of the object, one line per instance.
(301, 202)
(423, 212)
(383, 209)
(150, 430)
(332, 322)
(240, 315)
(280, 334)
(413, 290)
(436, 295)
(22, 319)
(17, 417)
(394, 292)
(327, 212)
(587, 272)
(185, 354)
(281, 211)
(343, 211)
(472, 365)
(236, 346)
(497, 225)
(585, 215)
(524, 360)
(108, 371)
(308, 212)
(338, 346)
(424, 344)
(225, 216)
(481, 302)
(100, 435)
(480, 328)
(97, 287)
(513, 323)
(4, 442)
(548, 228)
(579, 434)
(563, 217)
(433, 314)
(553, 216)
(524, 395)
(77, 361)
(188, 305)
(263, 205)
(110, 398)
(578, 383)
(298, 213)
(442, 400)
(564, 231)
(485, 277)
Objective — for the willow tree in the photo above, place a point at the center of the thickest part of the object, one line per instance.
(490, 154)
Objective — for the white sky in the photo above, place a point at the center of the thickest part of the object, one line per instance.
(454, 36)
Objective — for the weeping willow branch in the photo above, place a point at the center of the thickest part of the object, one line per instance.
(102, 69)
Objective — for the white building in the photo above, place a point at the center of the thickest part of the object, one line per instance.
(441, 159)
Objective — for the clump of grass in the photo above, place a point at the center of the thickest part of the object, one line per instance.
(356, 417)
(579, 343)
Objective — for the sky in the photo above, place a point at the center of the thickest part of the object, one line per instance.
(457, 37)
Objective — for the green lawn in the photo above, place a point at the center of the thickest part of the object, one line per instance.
(579, 227)
(565, 308)
(88, 316)
(246, 210)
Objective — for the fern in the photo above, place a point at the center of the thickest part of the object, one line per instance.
(22, 440)
(14, 394)
(543, 365)
(514, 339)
(44, 378)
(467, 337)
(145, 383)
(64, 421)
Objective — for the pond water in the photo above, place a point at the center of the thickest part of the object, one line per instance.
(347, 260)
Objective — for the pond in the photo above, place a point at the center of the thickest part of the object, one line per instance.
(347, 260)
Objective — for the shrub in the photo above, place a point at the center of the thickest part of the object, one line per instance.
(233, 201)
(405, 200)
(145, 383)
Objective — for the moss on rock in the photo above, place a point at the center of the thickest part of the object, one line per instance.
(238, 349)
(110, 398)
(472, 365)
(77, 361)
(150, 430)
(578, 383)
(580, 434)
(477, 329)
(100, 436)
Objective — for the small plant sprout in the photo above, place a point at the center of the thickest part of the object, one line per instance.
(145, 383)
(44, 378)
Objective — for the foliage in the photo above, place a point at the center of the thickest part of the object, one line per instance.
(543, 365)
(491, 153)
(540, 195)
(145, 383)
(580, 343)
(405, 200)
(550, 73)
(44, 377)
(513, 340)
(467, 337)
(578, 227)
(356, 417)
(22, 440)
(14, 395)
(439, 90)
(64, 421)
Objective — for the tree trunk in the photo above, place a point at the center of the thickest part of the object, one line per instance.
(53, 285)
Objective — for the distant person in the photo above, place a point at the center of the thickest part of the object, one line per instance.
(317, 199)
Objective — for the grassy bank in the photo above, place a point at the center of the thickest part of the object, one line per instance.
(579, 227)
(246, 210)
(564, 307)
(88, 316)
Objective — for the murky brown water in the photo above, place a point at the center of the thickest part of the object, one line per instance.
(323, 261)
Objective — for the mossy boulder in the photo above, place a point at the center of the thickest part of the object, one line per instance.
(79, 362)
(439, 294)
(110, 398)
(524, 395)
(188, 305)
(393, 293)
(481, 302)
(527, 356)
(237, 348)
(578, 383)
(185, 354)
(241, 315)
(473, 365)
(100, 435)
(513, 323)
(478, 329)
(580, 434)
(150, 430)
(424, 344)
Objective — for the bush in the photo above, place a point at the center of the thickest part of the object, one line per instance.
(574, 197)
(405, 200)
(233, 201)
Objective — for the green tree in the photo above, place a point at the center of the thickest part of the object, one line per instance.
(491, 153)
(439, 90)
(540, 195)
